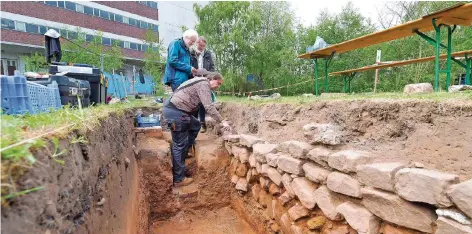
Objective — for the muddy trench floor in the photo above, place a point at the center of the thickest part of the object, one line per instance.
(208, 210)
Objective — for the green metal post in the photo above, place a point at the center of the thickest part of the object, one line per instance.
(326, 76)
(349, 86)
(436, 60)
(448, 59)
(316, 77)
(468, 61)
(345, 83)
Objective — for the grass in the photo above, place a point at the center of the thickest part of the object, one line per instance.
(439, 96)
(23, 129)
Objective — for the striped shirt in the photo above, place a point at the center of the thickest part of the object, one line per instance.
(193, 92)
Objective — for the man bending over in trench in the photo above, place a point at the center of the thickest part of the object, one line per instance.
(184, 126)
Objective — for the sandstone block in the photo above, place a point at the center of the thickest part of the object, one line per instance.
(241, 170)
(275, 176)
(348, 160)
(234, 179)
(286, 197)
(286, 223)
(316, 223)
(249, 176)
(297, 149)
(286, 181)
(344, 184)
(260, 151)
(297, 212)
(359, 218)
(319, 155)
(446, 226)
(265, 200)
(296, 229)
(394, 209)
(242, 185)
(422, 185)
(379, 175)
(290, 165)
(259, 167)
(418, 88)
(327, 201)
(248, 140)
(241, 153)
(252, 160)
(327, 134)
(315, 173)
(305, 191)
(265, 169)
(271, 159)
(461, 195)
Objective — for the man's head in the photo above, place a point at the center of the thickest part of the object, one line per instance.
(190, 37)
(201, 44)
(216, 80)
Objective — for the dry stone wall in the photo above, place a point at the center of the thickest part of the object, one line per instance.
(309, 187)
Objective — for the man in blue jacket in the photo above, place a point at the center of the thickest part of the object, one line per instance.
(178, 67)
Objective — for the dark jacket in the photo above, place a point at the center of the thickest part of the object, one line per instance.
(208, 62)
(178, 69)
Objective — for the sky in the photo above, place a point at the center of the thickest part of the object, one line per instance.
(307, 11)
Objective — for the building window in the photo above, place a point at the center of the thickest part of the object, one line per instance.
(72, 35)
(31, 28)
(144, 47)
(155, 27)
(125, 20)
(79, 8)
(132, 22)
(42, 29)
(112, 16)
(106, 41)
(88, 38)
(143, 24)
(96, 12)
(70, 6)
(104, 14)
(88, 10)
(52, 3)
(133, 46)
(20, 26)
(61, 4)
(9, 24)
(118, 18)
(126, 43)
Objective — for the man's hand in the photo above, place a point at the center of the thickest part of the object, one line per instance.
(194, 71)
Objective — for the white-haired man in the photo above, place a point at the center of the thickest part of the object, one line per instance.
(178, 67)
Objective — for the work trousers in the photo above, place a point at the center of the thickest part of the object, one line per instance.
(184, 130)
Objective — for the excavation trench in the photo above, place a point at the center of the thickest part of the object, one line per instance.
(120, 181)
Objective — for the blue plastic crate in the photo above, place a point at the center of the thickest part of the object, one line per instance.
(43, 98)
(14, 93)
(148, 121)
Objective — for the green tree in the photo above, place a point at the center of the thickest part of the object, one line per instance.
(154, 63)
(81, 51)
(35, 62)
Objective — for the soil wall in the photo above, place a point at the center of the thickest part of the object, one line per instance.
(96, 191)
